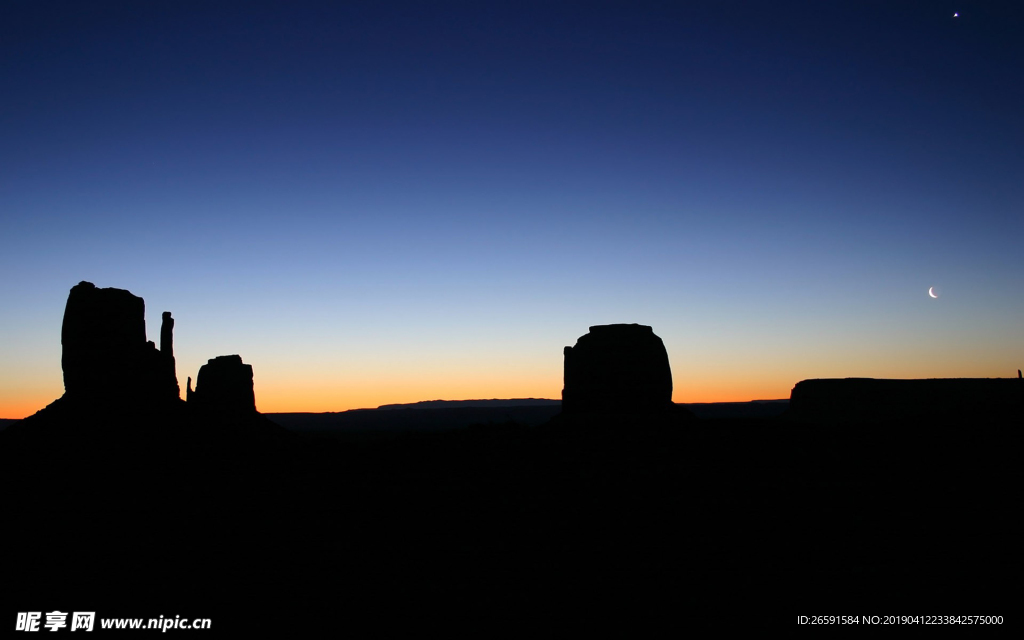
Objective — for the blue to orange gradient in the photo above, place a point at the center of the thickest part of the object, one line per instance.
(389, 203)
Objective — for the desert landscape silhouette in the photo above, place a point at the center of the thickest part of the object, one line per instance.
(380, 318)
(870, 495)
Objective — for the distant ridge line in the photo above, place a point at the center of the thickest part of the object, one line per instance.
(453, 404)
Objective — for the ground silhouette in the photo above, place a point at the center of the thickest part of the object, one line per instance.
(160, 509)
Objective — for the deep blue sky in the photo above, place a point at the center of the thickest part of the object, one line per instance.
(388, 202)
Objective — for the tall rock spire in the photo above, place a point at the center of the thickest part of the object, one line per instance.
(167, 335)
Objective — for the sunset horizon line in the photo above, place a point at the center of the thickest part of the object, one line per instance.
(29, 408)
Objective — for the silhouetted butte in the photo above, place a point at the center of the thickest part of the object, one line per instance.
(617, 368)
(223, 386)
(106, 358)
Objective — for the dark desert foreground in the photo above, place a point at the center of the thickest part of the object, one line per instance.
(756, 521)
(650, 517)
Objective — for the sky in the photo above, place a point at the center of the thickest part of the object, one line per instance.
(385, 202)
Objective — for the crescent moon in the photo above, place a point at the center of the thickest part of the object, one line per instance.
(932, 293)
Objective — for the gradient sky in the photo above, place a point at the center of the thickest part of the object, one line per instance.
(380, 202)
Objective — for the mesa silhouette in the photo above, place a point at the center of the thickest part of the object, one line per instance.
(866, 400)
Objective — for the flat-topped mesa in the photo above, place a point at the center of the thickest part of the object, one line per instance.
(224, 386)
(927, 401)
(617, 368)
(105, 355)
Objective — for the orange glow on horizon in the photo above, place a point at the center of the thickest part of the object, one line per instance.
(23, 407)
(323, 398)
(277, 393)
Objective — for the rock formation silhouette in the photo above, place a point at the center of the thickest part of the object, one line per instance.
(617, 368)
(106, 358)
(867, 400)
(223, 387)
(167, 347)
(118, 386)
